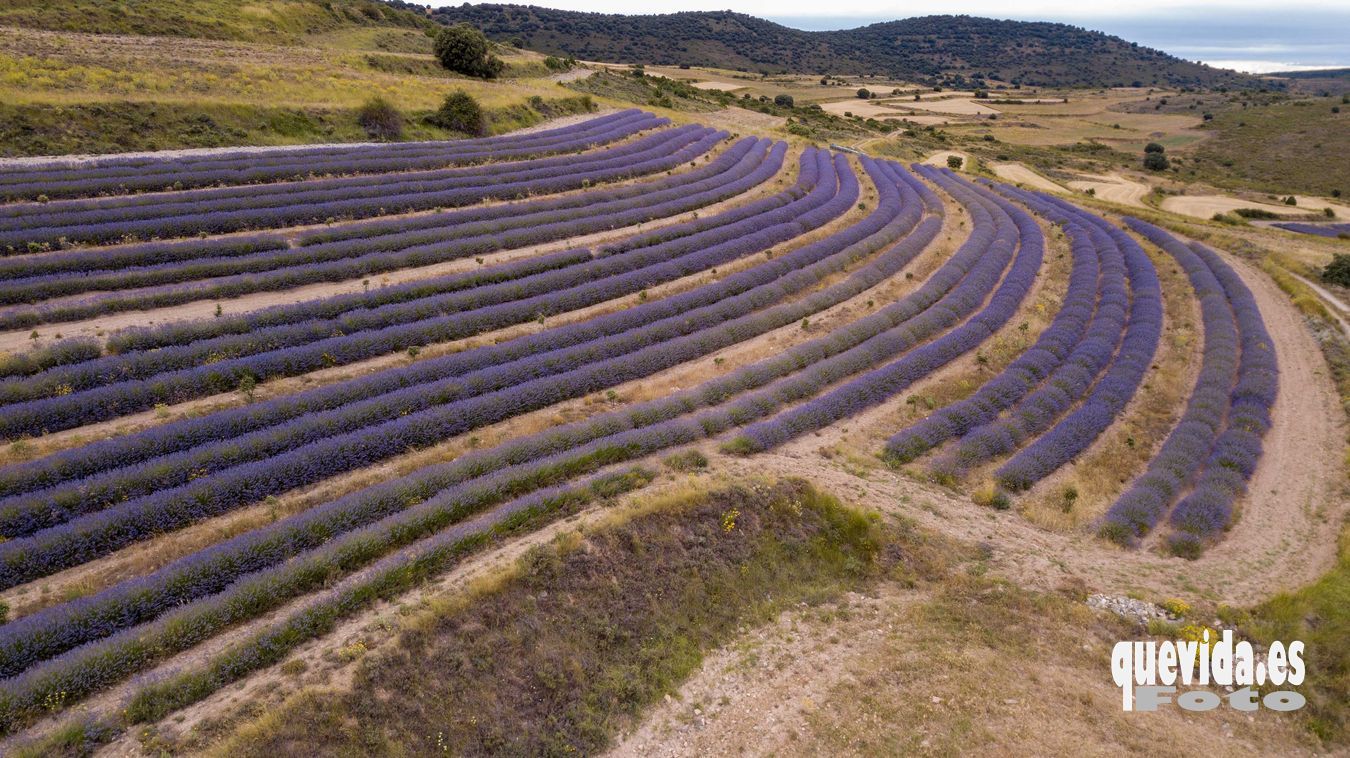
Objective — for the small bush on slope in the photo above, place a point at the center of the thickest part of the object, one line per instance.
(1338, 271)
(380, 119)
(460, 113)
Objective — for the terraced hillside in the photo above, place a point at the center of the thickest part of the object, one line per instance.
(253, 392)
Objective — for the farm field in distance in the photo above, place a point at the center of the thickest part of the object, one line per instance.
(354, 405)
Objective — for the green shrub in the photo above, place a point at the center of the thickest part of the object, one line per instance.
(954, 162)
(460, 112)
(1118, 533)
(1185, 545)
(1338, 271)
(1156, 162)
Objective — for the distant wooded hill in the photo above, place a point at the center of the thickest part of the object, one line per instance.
(932, 49)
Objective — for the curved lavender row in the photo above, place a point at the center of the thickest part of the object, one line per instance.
(1030, 368)
(1208, 510)
(261, 166)
(77, 261)
(1069, 382)
(92, 212)
(350, 259)
(376, 194)
(578, 444)
(60, 353)
(89, 536)
(586, 137)
(1137, 511)
(23, 514)
(1078, 430)
(243, 165)
(53, 169)
(412, 324)
(880, 384)
(231, 423)
(61, 285)
(747, 166)
(1320, 230)
(430, 247)
(291, 325)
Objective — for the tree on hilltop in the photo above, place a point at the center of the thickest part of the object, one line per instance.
(464, 50)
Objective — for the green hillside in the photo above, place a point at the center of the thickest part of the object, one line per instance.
(243, 20)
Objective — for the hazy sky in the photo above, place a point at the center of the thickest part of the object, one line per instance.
(1250, 35)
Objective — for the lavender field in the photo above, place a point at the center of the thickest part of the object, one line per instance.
(236, 426)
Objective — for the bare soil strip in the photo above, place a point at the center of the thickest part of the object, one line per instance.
(1114, 188)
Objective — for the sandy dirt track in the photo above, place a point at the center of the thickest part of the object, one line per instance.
(940, 159)
(1020, 174)
(1316, 204)
(863, 108)
(1205, 206)
(1113, 188)
(718, 86)
(956, 106)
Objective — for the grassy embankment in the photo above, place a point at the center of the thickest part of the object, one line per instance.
(560, 653)
(298, 80)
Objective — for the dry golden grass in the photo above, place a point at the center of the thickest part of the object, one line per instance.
(67, 68)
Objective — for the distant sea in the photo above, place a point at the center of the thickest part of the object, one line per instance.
(1252, 41)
